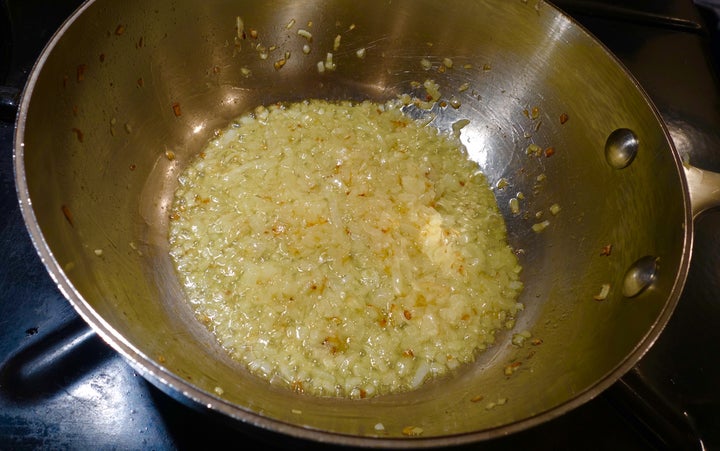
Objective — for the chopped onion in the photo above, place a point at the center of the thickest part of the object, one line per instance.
(365, 269)
(604, 292)
(329, 64)
(540, 226)
(514, 204)
(459, 125)
(534, 150)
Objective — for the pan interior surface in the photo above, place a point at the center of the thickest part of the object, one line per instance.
(127, 93)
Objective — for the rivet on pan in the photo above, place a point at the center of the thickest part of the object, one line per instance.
(640, 276)
(621, 148)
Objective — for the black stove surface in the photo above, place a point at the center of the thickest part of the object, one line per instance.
(61, 387)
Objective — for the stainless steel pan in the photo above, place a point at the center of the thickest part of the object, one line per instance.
(127, 92)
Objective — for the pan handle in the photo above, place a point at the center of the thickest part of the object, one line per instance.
(704, 187)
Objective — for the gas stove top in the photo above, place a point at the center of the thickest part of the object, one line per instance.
(61, 387)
